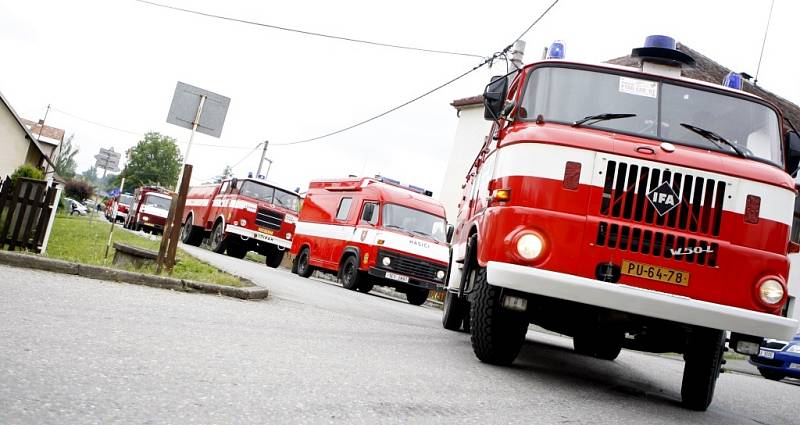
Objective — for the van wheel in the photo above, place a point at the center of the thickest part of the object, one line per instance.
(236, 250)
(497, 334)
(217, 239)
(772, 375)
(301, 263)
(274, 258)
(702, 361)
(455, 311)
(191, 234)
(416, 296)
(349, 273)
(603, 344)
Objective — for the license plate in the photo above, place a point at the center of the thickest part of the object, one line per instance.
(661, 274)
(766, 354)
(267, 231)
(398, 277)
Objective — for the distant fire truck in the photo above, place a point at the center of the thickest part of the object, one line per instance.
(117, 208)
(148, 209)
(241, 215)
(373, 231)
(627, 208)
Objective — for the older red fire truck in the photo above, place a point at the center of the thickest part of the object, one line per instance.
(148, 209)
(241, 215)
(373, 231)
(627, 208)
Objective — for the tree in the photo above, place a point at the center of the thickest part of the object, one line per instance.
(78, 190)
(65, 161)
(90, 175)
(227, 173)
(155, 160)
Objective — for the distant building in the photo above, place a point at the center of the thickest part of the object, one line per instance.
(49, 138)
(472, 129)
(17, 145)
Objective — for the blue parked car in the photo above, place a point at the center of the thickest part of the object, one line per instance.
(778, 359)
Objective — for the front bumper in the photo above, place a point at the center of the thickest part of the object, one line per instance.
(788, 363)
(639, 301)
(412, 281)
(261, 237)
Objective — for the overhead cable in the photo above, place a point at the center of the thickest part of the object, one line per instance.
(305, 32)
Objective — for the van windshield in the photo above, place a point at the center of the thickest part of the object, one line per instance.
(656, 109)
(414, 221)
(270, 194)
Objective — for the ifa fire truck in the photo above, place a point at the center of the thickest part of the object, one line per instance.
(148, 209)
(626, 207)
(373, 231)
(117, 208)
(241, 215)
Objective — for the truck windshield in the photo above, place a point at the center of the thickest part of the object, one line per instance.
(157, 201)
(270, 194)
(655, 109)
(414, 221)
(126, 199)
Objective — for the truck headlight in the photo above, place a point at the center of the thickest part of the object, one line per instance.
(243, 222)
(530, 246)
(145, 218)
(386, 261)
(794, 348)
(770, 291)
(288, 236)
(440, 274)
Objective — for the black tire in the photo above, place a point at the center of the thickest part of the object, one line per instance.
(416, 296)
(703, 359)
(274, 258)
(236, 249)
(603, 344)
(349, 274)
(301, 263)
(772, 375)
(497, 334)
(365, 285)
(191, 234)
(137, 227)
(217, 240)
(455, 311)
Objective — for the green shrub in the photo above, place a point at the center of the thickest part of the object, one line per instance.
(78, 190)
(27, 170)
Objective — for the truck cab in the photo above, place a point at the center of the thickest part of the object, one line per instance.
(149, 209)
(629, 208)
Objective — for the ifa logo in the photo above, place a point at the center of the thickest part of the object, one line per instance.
(663, 198)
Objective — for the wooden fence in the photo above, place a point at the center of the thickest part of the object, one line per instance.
(26, 212)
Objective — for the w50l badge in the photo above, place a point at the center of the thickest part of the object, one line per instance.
(663, 198)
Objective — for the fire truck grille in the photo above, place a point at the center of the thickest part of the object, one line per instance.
(657, 244)
(410, 266)
(268, 219)
(700, 200)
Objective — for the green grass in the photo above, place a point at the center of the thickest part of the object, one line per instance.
(81, 240)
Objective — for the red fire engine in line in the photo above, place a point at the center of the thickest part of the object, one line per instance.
(372, 231)
(241, 215)
(148, 209)
(627, 208)
(117, 208)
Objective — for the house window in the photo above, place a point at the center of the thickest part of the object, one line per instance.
(344, 208)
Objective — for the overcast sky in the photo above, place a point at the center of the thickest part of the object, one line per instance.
(116, 62)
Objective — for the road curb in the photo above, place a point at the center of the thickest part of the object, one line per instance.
(104, 273)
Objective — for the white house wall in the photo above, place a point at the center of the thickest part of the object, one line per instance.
(13, 144)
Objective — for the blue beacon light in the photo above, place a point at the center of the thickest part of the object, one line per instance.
(557, 50)
(733, 80)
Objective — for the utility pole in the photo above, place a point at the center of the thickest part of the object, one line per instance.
(263, 155)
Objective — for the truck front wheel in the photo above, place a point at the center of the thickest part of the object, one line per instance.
(236, 249)
(217, 239)
(416, 296)
(274, 258)
(702, 358)
(455, 311)
(497, 334)
(191, 234)
(349, 274)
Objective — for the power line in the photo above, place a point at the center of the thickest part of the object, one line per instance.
(305, 32)
(437, 88)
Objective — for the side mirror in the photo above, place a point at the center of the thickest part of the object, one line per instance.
(494, 97)
(450, 229)
(793, 151)
(369, 209)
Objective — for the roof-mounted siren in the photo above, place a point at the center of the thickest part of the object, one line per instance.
(733, 80)
(660, 56)
(557, 50)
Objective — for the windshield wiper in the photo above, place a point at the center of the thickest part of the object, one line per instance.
(600, 117)
(714, 138)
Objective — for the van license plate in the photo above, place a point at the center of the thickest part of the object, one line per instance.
(398, 277)
(661, 274)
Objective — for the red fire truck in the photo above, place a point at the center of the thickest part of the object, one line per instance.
(626, 207)
(117, 208)
(373, 231)
(241, 215)
(148, 209)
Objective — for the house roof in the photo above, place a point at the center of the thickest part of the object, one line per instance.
(51, 135)
(705, 69)
(28, 134)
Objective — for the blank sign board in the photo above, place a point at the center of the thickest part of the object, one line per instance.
(184, 109)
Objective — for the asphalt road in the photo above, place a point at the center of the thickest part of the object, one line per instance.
(74, 350)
